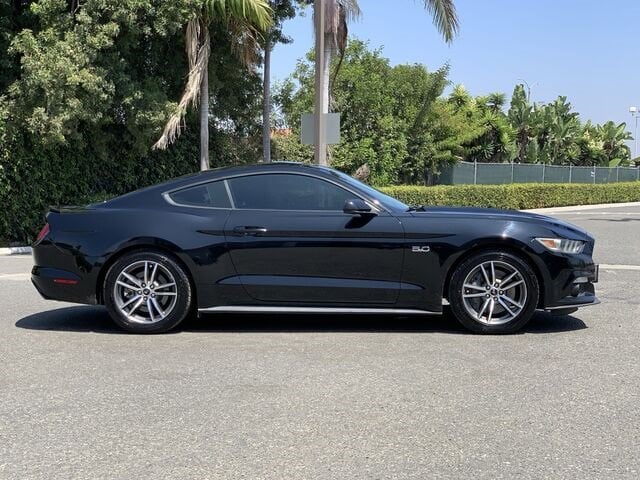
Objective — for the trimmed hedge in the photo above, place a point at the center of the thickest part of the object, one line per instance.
(517, 196)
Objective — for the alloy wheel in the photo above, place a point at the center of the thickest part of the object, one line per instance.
(145, 292)
(494, 292)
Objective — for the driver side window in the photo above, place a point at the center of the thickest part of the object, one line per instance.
(283, 191)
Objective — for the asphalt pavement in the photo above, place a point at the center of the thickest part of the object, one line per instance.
(322, 397)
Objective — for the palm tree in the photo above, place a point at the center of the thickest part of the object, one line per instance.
(244, 19)
(282, 10)
(338, 14)
(563, 130)
(522, 118)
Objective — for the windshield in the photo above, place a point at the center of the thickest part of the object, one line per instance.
(376, 195)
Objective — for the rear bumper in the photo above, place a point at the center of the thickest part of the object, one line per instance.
(62, 285)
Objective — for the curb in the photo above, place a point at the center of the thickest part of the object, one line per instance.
(578, 208)
(4, 252)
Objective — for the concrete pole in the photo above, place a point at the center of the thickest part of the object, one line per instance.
(320, 147)
(636, 134)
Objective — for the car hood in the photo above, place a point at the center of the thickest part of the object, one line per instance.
(498, 214)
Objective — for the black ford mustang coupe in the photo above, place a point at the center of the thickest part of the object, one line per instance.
(286, 237)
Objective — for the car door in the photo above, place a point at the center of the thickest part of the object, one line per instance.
(205, 208)
(290, 241)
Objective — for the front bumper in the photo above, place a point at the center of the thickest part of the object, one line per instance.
(575, 288)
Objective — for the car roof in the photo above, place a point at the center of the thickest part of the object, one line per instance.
(213, 174)
(223, 172)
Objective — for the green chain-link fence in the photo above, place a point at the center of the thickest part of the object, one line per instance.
(497, 173)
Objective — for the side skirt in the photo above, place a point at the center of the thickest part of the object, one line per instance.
(324, 310)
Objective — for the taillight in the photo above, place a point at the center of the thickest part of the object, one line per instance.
(43, 233)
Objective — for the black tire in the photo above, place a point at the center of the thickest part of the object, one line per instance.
(502, 261)
(169, 271)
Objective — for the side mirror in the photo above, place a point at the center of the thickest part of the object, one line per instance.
(356, 206)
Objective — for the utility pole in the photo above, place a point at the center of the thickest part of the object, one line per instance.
(635, 112)
(320, 147)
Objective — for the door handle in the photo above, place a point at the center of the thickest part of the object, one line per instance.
(248, 230)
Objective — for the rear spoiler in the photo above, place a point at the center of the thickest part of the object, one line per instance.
(70, 208)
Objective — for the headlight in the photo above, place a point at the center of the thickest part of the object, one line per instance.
(562, 245)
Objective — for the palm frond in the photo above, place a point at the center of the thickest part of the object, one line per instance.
(245, 18)
(351, 10)
(198, 63)
(445, 17)
(338, 14)
(256, 12)
(192, 41)
(245, 42)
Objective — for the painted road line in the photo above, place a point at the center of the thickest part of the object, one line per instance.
(610, 214)
(577, 208)
(15, 276)
(6, 251)
(604, 266)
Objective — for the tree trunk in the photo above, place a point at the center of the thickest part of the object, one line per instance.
(266, 100)
(204, 120)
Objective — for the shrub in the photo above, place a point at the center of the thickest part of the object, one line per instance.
(517, 196)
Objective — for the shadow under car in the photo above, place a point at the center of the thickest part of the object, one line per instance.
(96, 319)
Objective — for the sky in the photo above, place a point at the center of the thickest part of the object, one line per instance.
(585, 49)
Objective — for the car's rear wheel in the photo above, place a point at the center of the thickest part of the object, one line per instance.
(493, 292)
(147, 292)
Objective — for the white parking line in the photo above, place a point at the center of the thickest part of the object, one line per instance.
(619, 267)
(15, 276)
(577, 208)
(611, 214)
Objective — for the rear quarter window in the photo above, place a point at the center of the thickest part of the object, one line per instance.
(212, 195)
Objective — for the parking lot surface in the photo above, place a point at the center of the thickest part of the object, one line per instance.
(290, 397)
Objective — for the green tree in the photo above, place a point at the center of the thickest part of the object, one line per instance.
(495, 102)
(489, 136)
(461, 99)
(613, 137)
(79, 109)
(394, 119)
(338, 13)
(552, 133)
(558, 132)
(242, 17)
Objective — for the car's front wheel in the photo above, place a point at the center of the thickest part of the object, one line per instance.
(493, 292)
(147, 292)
